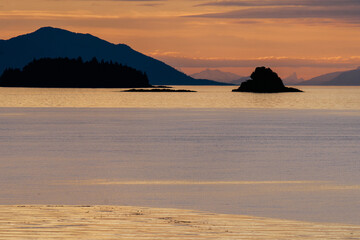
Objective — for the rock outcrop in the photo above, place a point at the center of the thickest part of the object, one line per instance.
(264, 80)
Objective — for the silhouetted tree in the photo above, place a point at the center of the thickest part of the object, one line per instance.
(74, 73)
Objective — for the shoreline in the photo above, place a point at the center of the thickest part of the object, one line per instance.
(130, 222)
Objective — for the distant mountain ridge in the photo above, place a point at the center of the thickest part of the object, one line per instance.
(216, 75)
(240, 80)
(228, 77)
(346, 78)
(292, 79)
(322, 79)
(49, 42)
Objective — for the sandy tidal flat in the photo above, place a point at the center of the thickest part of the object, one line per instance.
(118, 222)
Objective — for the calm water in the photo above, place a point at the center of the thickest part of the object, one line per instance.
(206, 97)
(291, 155)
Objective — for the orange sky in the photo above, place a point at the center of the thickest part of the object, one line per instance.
(309, 37)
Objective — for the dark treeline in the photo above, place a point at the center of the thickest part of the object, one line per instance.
(74, 73)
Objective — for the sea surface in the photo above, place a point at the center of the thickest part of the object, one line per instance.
(286, 155)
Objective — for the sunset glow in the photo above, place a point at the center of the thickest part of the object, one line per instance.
(310, 37)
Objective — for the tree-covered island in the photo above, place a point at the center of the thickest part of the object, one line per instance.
(74, 73)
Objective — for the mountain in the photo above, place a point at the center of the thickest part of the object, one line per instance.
(292, 79)
(216, 75)
(348, 78)
(322, 79)
(240, 80)
(51, 42)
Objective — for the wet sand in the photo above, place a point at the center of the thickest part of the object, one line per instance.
(125, 222)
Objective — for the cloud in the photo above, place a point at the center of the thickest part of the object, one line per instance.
(259, 3)
(342, 12)
(146, 3)
(348, 10)
(330, 62)
(136, 0)
(150, 4)
(44, 14)
(117, 0)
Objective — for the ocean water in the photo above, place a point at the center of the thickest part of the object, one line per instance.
(314, 97)
(290, 155)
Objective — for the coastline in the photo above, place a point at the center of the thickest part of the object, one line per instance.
(129, 222)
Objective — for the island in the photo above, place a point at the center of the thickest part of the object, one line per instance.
(74, 73)
(158, 90)
(264, 80)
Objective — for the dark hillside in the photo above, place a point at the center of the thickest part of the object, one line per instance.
(51, 42)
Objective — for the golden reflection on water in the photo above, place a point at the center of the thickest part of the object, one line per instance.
(313, 97)
(298, 186)
(182, 182)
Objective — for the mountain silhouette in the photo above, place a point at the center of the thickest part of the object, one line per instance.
(48, 42)
(292, 79)
(346, 78)
(322, 79)
(74, 73)
(240, 80)
(216, 75)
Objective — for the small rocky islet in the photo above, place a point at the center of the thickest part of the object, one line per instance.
(158, 90)
(264, 80)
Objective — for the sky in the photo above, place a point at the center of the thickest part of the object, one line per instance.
(309, 37)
